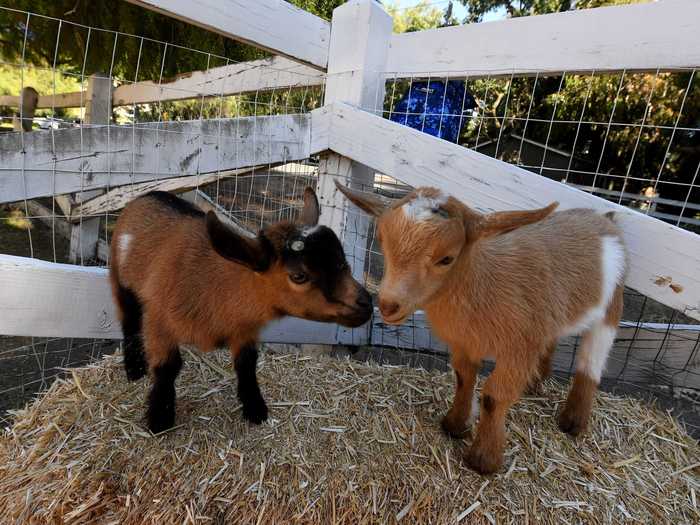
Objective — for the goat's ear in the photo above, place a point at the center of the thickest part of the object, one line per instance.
(254, 252)
(367, 202)
(312, 210)
(506, 221)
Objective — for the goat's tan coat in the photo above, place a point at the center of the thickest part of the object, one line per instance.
(519, 281)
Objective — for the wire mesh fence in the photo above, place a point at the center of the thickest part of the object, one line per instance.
(127, 82)
(629, 137)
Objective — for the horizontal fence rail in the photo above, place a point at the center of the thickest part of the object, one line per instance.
(629, 37)
(664, 259)
(75, 301)
(273, 25)
(267, 74)
(72, 160)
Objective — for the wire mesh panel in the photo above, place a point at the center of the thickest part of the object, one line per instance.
(119, 115)
(631, 138)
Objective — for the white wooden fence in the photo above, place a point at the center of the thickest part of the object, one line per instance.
(354, 60)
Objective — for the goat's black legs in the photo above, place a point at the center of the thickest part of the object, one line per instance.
(254, 407)
(161, 400)
(132, 315)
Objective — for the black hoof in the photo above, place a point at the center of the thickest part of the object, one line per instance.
(160, 421)
(255, 411)
(134, 373)
(134, 361)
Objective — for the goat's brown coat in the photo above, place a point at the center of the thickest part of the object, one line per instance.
(190, 293)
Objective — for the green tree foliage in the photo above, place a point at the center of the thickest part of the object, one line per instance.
(514, 8)
(77, 50)
(415, 18)
(322, 8)
(62, 42)
(621, 156)
(610, 139)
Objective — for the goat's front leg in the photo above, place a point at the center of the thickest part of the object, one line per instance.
(245, 359)
(503, 388)
(465, 406)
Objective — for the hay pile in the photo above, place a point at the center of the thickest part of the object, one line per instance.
(346, 442)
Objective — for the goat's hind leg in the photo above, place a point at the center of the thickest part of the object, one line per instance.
(165, 363)
(590, 363)
(132, 319)
(131, 315)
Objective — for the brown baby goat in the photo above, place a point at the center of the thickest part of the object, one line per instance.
(505, 286)
(180, 276)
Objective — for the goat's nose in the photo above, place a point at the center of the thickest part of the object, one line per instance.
(388, 308)
(364, 299)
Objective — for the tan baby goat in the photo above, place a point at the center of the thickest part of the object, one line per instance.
(506, 286)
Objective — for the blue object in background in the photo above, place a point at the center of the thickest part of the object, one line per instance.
(426, 107)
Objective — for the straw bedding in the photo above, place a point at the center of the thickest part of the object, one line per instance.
(347, 442)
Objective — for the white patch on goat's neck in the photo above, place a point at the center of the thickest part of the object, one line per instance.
(421, 208)
(612, 273)
(124, 241)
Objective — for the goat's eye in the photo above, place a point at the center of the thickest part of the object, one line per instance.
(445, 261)
(299, 277)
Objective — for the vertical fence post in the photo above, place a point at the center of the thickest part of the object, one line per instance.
(360, 35)
(98, 111)
(28, 100)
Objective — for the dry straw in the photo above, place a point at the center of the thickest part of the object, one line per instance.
(346, 443)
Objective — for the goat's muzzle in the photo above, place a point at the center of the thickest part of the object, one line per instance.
(361, 310)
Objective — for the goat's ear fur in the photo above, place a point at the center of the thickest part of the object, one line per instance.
(312, 210)
(501, 222)
(254, 252)
(367, 202)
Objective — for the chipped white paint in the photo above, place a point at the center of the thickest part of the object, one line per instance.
(265, 74)
(613, 263)
(595, 348)
(124, 241)
(423, 207)
(356, 61)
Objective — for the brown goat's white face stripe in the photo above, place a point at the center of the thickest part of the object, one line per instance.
(423, 207)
